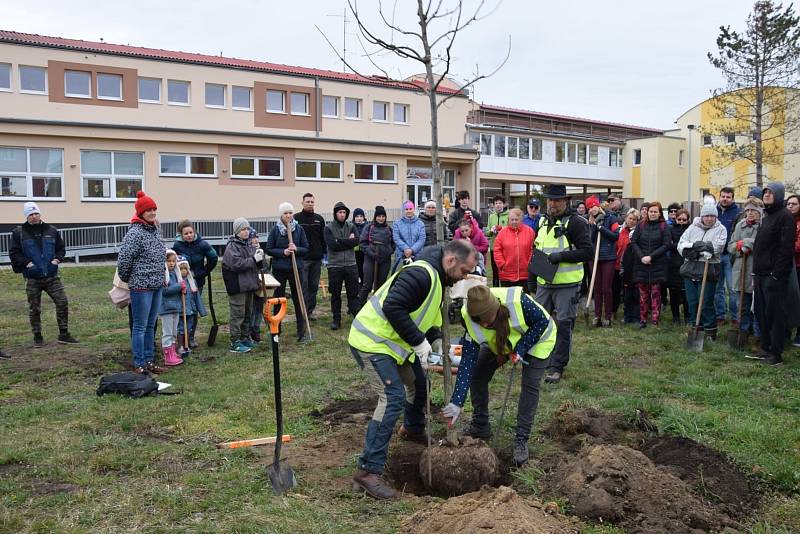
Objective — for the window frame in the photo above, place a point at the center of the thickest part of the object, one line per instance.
(336, 105)
(374, 179)
(385, 104)
(728, 139)
(705, 137)
(111, 176)
(10, 78)
(256, 160)
(593, 155)
(306, 101)
(537, 143)
(495, 146)
(188, 165)
(29, 175)
(282, 111)
(405, 107)
(681, 157)
(139, 90)
(224, 104)
(86, 96)
(119, 98)
(318, 177)
(33, 91)
(489, 145)
(636, 151)
(188, 102)
(249, 98)
(359, 108)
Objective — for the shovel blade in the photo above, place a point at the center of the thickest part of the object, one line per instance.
(695, 340)
(281, 476)
(212, 335)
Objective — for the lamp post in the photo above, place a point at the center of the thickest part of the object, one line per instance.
(689, 166)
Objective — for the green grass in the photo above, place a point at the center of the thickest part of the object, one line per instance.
(72, 461)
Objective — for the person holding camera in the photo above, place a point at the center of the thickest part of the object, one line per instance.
(462, 209)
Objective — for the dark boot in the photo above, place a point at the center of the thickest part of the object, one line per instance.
(374, 485)
(521, 454)
(711, 334)
(480, 432)
(336, 324)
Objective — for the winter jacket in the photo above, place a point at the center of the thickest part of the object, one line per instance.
(359, 231)
(773, 252)
(512, 252)
(430, 229)
(376, 241)
(171, 301)
(458, 214)
(408, 233)
(675, 279)
(140, 262)
(716, 235)
(38, 243)
(532, 222)
(201, 255)
(650, 239)
(742, 257)
(608, 229)
(314, 228)
(495, 219)
(278, 241)
(337, 239)
(727, 217)
(623, 240)
(239, 267)
(797, 241)
(477, 238)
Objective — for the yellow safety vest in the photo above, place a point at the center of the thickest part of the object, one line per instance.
(511, 298)
(547, 242)
(371, 331)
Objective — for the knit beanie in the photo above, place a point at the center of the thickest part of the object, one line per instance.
(708, 209)
(239, 224)
(144, 203)
(408, 205)
(591, 202)
(358, 211)
(755, 192)
(482, 304)
(30, 208)
(380, 210)
(755, 204)
(284, 207)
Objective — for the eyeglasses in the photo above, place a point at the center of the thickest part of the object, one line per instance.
(673, 210)
(682, 220)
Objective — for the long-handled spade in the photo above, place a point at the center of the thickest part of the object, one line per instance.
(299, 286)
(694, 341)
(591, 283)
(428, 423)
(280, 473)
(185, 327)
(505, 405)
(737, 338)
(212, 335)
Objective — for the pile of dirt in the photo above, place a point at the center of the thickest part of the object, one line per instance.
(458, 470)
(489, 510)
(402, 467)
(355, 410)
(619, 484)
(574, 429)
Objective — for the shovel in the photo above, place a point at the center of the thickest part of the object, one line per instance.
(505, 405)
(185, 327)
(737, 338)
(212, 335)
(591, 283)
(299, 286)
(280, 473)
(695, 340)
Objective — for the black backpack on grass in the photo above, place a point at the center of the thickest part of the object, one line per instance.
(130, 384)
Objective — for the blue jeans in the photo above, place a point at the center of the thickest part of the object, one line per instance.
(725, 282)
(144, 311)
(401, 389)
(708, 318)
(748, 317)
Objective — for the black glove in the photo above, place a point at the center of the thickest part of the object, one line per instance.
(691, 254)
(699, 246)
(554, 258)
(708, 247)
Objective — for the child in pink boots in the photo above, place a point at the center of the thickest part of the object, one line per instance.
(171, 309)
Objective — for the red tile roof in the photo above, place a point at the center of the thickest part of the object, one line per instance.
(489, 107)
(7, 36)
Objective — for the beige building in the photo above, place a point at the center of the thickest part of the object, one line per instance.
(85, 125)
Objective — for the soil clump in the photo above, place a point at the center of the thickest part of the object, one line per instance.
(458, 470)
(354, 410)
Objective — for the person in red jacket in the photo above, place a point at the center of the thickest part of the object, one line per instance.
(512, 251)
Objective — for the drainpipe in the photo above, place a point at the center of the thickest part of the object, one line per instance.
(318, 106)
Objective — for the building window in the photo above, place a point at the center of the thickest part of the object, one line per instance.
(299, 103)
(215, 95)
(109, 86)
(401, 113)
(330, 106)
(572, 152)
(241, 98)
(31, 173)
(560, 158)
(5, 77)
(730, 138)
(177, 92)
(449, 184)
(150, 90)
(680, 158)
(111, 175)
(188, 165)
(524, 148)
(706, 140)
(257, 168)
(380, 111)
(376, 172)
(352, 108)
(474, 139)
(536, 149)
(512, 147)
(77, 84)
(637, 157)
(33, 79)
(582, 154)
(593, 155)
(499, 146)
(486, 144)
(276, 102)
(330, 171)
(612, 157)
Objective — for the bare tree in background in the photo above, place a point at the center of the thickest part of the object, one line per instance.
(429, 43)
(758, 116)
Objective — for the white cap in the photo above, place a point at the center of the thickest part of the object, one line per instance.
(284, 207)
(30, 208)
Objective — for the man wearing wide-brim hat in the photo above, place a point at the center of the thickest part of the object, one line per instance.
(564, 236)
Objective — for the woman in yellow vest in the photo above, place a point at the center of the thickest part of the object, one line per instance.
(502, 324)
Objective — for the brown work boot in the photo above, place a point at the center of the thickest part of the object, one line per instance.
(374, 485)
(416, 437)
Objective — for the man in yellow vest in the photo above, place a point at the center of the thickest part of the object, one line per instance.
(502, 324)
(391, 339)
(564, 236)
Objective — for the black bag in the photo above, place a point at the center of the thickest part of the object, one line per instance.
(130, 384)
(693, 270)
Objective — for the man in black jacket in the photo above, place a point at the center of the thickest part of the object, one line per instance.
(458, 214)
(36, 251)
(314, 227)
(341, 237)
(773, 262)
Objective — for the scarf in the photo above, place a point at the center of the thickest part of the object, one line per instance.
(282, 227)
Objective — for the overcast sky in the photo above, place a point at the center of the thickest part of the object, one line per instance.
(636, 62)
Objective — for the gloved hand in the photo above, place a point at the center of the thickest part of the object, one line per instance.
(516, 358)
(451, 411)
(436, 346)
(705, 256)
(708, 247)
(698, 245)
(599, 226)
(554, 258)
(183, 286)
(739, 245)
(691, 254)
(259, 255)
(423, 350)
